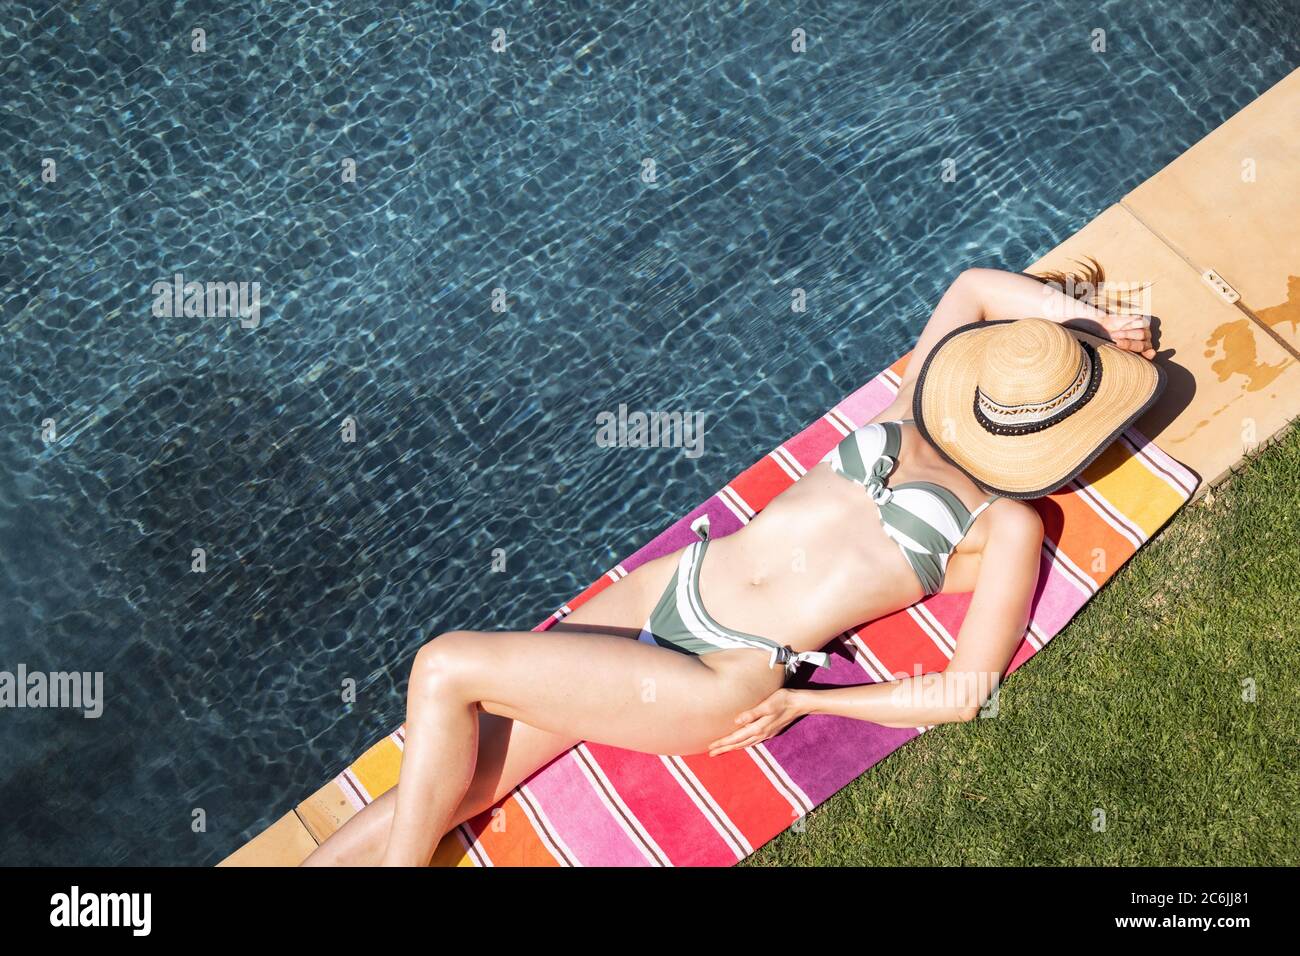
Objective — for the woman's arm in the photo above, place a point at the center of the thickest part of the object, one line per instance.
(993, 628)
(991, 294)
(1015, 295)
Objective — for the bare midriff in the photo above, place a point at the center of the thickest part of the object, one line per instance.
(812, 564)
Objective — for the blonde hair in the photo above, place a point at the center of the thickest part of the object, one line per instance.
(1088, 284)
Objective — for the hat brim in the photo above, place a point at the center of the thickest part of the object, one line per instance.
(1037, 463)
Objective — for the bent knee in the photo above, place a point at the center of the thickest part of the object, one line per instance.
(441, 664)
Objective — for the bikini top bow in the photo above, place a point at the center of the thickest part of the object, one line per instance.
(875, 483)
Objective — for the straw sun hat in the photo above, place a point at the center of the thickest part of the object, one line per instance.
(1023, 405)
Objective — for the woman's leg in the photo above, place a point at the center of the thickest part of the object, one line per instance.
(584, 686)
(509, 751)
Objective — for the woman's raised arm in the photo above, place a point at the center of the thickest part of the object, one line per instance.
(991, 294)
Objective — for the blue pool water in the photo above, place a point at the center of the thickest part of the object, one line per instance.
(328, 560)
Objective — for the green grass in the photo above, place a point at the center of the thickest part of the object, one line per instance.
(1135, 708)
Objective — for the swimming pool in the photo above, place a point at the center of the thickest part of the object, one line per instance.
(132, 434)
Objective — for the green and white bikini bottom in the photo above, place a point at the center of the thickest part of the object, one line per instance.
(681, 623)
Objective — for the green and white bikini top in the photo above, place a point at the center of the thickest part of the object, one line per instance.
(924, 519)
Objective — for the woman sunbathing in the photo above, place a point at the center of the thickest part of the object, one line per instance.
(1000, 402)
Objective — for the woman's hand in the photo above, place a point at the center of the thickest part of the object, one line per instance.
(760, 722)
(1132, 333)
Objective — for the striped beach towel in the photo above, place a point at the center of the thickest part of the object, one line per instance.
(603, 806)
